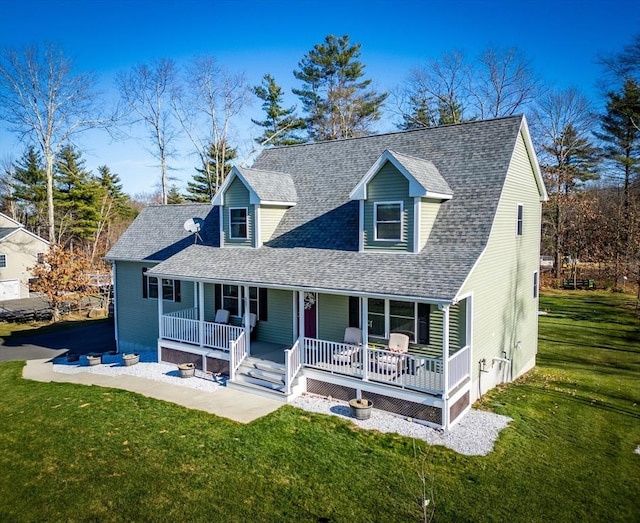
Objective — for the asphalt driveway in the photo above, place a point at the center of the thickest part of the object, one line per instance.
(93, 336)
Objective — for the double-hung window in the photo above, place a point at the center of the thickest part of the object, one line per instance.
(231, 298)
(3, 261)
(388, 221)
(152, 287)
(238, 223)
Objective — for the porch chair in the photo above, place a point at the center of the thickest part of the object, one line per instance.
(222, 316)
(352, 336)
(389, 364)
(253, 321)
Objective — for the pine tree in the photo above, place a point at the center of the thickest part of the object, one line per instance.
(30, 190)
(337, 101)
(621, 136)
(203, 186)
(174, 196)
(77, 198)
(281, 124)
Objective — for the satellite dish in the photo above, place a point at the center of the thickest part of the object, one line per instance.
(194, 225)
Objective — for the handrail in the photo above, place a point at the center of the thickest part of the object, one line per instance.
(459, 366)
(237, 354)
(292, 363)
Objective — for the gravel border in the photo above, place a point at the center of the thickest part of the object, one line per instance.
(474, 435)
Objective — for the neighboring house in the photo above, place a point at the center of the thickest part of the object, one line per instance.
(20, 250)
(433, 233)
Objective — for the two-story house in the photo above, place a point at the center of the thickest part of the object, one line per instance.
(320, 252)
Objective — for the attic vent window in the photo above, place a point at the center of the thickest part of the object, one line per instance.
(238, 223)
(388, 221)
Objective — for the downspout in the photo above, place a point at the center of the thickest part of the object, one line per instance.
(115, 308)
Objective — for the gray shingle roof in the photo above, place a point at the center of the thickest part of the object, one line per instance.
(157, 233)
(270, 186)
(316, 243)
(425, 172)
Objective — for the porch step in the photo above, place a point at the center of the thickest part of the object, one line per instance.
(263, 374)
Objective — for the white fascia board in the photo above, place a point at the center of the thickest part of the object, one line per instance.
(524, 129)
(218, 198)
(437, 196)
(278, 204)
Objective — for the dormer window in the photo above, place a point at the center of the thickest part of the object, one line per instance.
(238, 223)
(388, 220)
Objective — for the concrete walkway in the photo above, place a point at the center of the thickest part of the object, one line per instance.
(227, 403)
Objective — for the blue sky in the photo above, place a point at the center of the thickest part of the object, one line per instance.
(563, 38)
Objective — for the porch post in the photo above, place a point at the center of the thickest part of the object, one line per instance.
(201, 312)
(301, 317)
(247, 319)
(160, 304)
(365, 338)
(445, 364)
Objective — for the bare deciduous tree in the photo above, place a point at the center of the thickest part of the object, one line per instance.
(44, 101)
(210, 98)
(147, 90)
(502, 84)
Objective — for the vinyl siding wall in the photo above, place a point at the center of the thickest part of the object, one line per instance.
(333, 316)
(428, 212)
(270, 217)
(237, 195)
(138, 316)
(505, 311)
(389, 185)
(279, 326)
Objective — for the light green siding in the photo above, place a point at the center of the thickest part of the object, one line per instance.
(428, 212)
(279, 325)
(270, 217)
(333, 316)
(237, 195)
(387, 186)
(505, 311)
(138, 316)
(209, 302)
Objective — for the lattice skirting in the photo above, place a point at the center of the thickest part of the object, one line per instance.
(458, 407)
(177, 356)
(406, 408)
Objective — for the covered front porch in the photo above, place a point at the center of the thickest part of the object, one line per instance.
(437, 363)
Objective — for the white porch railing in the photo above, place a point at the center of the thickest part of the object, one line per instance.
(237, 354)
(459, 366)
(180, 329)
(292, 363)
(184, 326)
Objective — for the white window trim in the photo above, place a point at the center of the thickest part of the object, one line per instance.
(241, 299)
(519, 220)
(246, 223)
(159, 285)
(375, 221)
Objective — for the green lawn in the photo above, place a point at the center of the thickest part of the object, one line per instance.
(73, 453)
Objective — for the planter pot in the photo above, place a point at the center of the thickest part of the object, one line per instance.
(93, 359)
(187, 370)
(360, 408)
(130, 359)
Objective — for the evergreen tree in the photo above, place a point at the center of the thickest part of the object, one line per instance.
(281, 124)
(337, 101)
(77, 198)
(30, 190)
(621, 136)
(174, 196)
(203, 186)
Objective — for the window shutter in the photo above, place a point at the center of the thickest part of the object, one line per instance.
(354, 311)
(176, 291)
(262, 304)
(144, 283)
(423, 323)
(217, 296)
